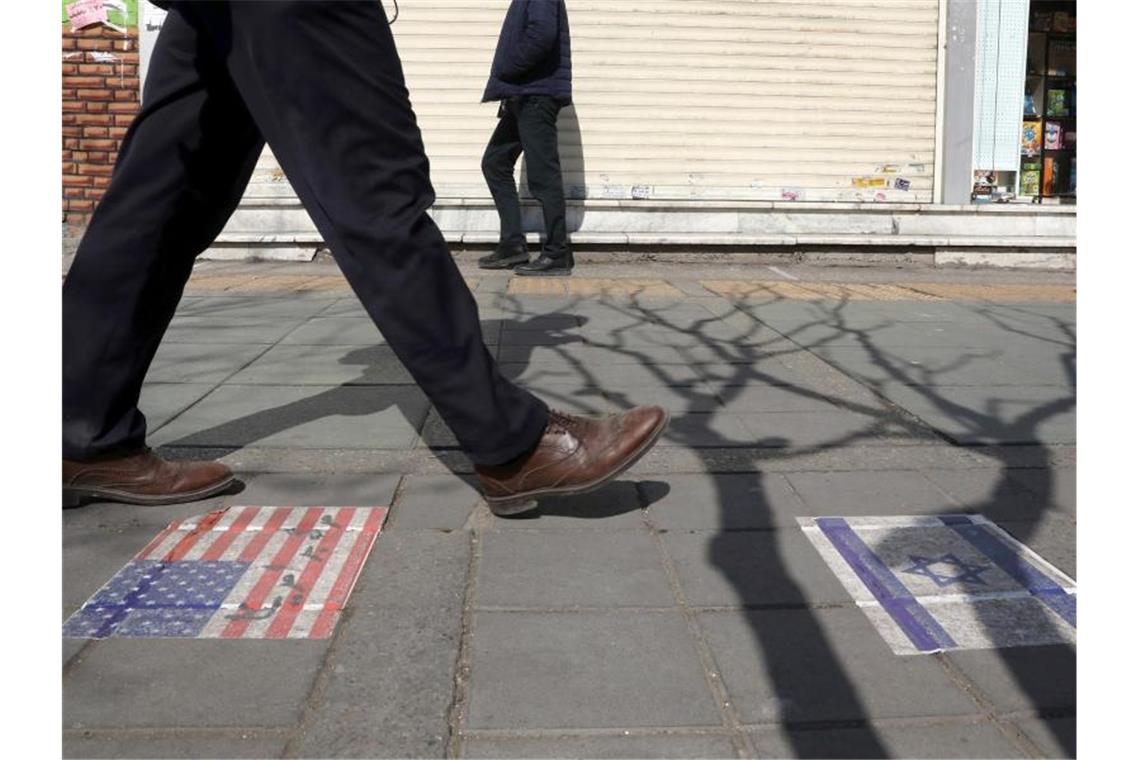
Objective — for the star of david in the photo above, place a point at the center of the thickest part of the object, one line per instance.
(924, 566)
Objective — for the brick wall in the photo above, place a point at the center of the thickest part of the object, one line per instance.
(100, 98)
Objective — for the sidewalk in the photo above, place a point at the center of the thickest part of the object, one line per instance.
(680, 612)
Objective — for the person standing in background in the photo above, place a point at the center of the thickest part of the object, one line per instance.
(530, 77)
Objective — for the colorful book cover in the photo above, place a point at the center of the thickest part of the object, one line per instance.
(1056, 103)
(1054, 136)
(1030, 182)
(1073, 176)
(1030, 138)
(1048, 176)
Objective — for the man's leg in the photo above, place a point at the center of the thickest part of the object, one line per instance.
(181, 171)
(324, 84)
(538, 132)
(499, 170)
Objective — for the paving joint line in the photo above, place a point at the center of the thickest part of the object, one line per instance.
(110, 733)
(709, 667)
(461, 682)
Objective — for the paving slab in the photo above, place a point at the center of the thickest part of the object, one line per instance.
(200, 362)
(434, 502)
(757, 398)
(1054, 737)
(975, 739)
(1056, 487)
(823, 665)
(391, 671)
(724, 501)
(770, 568)
(162, 402)
(923, 365)
(178, 746)
(586, 670)
(698, 398)
(1020, 415)
(883, 492)
(288, 489)
(158, 683)
(673, 745)
(820, 429)
(348, 417)
(240, 307)
(325, 365)
(545, 569)
(995, 493)
(334, 331)
(1023, 678)
(185, 329)
(716, 429)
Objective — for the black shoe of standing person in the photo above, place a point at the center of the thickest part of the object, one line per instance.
(506, 255)
(547, 266)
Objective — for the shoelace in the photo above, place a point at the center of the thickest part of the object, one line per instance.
(563, 422)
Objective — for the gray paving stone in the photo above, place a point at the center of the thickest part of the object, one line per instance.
(190, 683)
(673, 745)
(292, 489)
(571, 569)
(997, 494)
(1001, 415)
(821, 665)
(1023, 678)
(268, 306)
(568, 356)
(162, 402)
(975, 739)
(843, 494)
(343, 307)
(762, 398)
(126, 745)
(616, 506)
(698, 398)
(200, 362)
(348, 417)
(325, 365)
(335, 331)
(228, 330)
(610, 376)
(777, 568)
(1056, 487)
(436, 502)
(1055, 737)
(806, 430)
(391, 674)
(767, 371)
(586, 670)
(723, 502)
(717, 429)
(926, 366)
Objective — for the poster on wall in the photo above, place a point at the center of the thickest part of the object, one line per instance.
(115, 14)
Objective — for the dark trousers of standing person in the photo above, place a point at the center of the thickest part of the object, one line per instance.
(323, 84)
(528, 125)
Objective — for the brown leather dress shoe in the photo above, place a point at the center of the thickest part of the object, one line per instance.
(142, 479)
(575, 455)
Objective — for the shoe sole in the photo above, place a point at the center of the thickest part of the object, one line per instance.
(545, 273)
(74, 497)
(505, 506)
(513, 261)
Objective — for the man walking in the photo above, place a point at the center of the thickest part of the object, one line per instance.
(322, 83)
(530, 77)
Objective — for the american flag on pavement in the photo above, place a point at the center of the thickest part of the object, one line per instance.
(237, 573)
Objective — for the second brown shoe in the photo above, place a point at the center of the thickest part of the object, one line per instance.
(143, 478)
(575, 455)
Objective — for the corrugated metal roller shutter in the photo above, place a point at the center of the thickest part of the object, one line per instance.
(709, 99)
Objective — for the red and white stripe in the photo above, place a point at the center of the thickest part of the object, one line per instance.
(304, 563)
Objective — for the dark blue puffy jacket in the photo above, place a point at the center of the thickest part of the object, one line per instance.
(533, 55)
